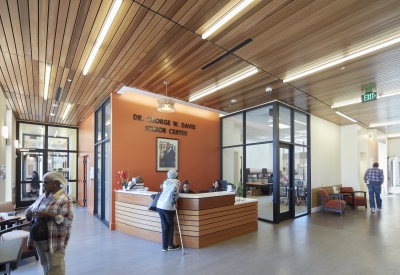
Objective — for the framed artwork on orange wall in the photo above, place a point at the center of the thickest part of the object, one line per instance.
(167, 154)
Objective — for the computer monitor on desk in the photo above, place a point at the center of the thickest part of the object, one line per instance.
(224, 185)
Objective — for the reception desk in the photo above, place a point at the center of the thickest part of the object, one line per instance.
(205, 218)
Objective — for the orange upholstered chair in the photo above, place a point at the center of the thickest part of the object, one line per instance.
(332, 202)
(352, 199)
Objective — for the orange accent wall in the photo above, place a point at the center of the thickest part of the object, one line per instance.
(134, 148)
(86, 147)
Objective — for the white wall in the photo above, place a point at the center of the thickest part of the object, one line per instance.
(11, 157)
(393, 147)
(2, 144)
(383, 164)
(350, 159)
(325, 152)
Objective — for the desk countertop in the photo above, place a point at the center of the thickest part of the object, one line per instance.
(258, 183)
(186, 196)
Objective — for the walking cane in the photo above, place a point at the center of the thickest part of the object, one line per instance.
(179, 227)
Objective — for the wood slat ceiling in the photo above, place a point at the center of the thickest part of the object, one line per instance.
(152, 41)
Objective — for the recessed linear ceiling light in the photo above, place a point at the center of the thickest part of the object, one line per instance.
(66, 111)
(343, 59)
(225, 82)
(281, 126)
(383, 124)
(46, 81)
(300, 122)
(349, 118)
(226, 18)
(393, 135)
(359, 100)
(110, 18)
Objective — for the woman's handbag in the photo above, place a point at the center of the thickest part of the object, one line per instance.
(153, 204)
(38, 229)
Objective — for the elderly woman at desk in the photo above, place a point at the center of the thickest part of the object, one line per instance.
(216, 187)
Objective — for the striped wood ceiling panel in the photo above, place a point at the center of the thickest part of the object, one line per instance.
(152, 41)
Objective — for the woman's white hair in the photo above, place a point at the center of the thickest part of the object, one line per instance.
(54, 175)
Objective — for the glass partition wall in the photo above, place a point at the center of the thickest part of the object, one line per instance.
(268, 158)
(102, 164)
(43, 148)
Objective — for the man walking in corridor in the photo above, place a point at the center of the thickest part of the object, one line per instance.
(374, 179)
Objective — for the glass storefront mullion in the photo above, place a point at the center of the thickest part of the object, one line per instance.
(102, 162)
(35, 145)
(247, 151)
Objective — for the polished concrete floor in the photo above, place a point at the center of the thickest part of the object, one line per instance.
(321, 243)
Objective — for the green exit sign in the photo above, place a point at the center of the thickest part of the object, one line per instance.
(368, 97)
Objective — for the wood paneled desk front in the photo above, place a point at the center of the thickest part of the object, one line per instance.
(205, 218)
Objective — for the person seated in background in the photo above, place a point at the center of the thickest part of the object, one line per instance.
(216, 186)
(35, 185)
(186, 188)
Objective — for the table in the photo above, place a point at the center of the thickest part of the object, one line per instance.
(10, 220)
(10, 253)
(258, 187)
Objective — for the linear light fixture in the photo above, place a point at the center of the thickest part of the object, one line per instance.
(359, 100)
(47, 81)
(343, 59)
(300, 122)
(226, 18)
(384, 124)
(393, 135)
(349, 118)
(110, 18)
(281, 126)
(225, 82)
(345, 104)
(66, 111)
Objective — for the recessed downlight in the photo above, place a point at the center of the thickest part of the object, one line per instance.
(52, 114)
(233, 100)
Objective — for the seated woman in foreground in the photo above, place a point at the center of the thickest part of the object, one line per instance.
(216, 186)
(186, 188)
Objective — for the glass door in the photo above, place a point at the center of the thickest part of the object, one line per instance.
(31, 174)
(286, 188)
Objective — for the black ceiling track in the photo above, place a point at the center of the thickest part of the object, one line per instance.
(234, 49)
(58, 93)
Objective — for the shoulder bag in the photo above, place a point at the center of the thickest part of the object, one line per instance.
(153, 204)
(38, 229)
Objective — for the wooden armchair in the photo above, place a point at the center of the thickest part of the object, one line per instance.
(332, 202)
(354, 200)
